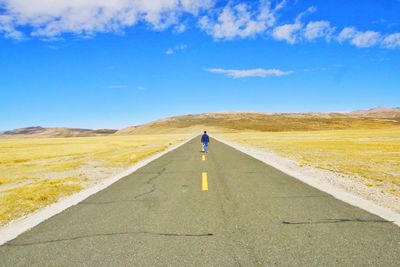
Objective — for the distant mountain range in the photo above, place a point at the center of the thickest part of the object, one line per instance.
(38, 131)
(379, 112)
(246, 121)
(233, 122)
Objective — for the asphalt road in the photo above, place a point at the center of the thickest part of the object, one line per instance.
(251, 215)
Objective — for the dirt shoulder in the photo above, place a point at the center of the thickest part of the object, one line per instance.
(347, 188)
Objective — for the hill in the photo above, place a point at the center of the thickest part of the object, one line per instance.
(247, 121)
(38, 131)
(233, 122)
(379, 112)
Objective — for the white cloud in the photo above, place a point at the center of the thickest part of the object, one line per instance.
(392, 41)
(169, 51)
(309, 10)
(175, 49)
(250, 72)
(358, 38)
(287, 32)
(347, 33)
(295, 32)
(292, 32)
(366, 39)
(180, 28)
(318, 29)
(241, 20)
(312, 9)
(49, 18)
(8, 29)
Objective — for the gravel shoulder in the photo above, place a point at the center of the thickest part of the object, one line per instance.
(344, 187)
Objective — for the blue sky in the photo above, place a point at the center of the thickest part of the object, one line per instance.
(112, 64)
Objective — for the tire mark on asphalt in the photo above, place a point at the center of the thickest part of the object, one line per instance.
(328, 221)
(110, 234)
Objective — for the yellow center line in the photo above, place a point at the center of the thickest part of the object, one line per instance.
(203, 157)
(204, 181)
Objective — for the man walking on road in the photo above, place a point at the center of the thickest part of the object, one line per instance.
(205, 140)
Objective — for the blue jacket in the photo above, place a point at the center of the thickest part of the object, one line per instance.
(205, 139)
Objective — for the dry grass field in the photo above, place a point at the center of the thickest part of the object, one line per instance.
(37, 172)
(373, 154)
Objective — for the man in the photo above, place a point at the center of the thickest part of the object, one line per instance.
(205, 140)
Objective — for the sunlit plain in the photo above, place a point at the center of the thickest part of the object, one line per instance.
(37, 172)
(372, 154)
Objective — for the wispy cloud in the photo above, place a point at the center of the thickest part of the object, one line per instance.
(299, 31)
(250, 72)
(287, 32)
(241, 20)
(7, 28)
(319, 29)
(392, 41)
(359, 38)
(173, 50)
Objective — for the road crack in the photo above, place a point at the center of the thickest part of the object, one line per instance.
(151, 183)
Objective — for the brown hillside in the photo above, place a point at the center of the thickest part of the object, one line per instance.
(55, 132)
(379, 112)
(232, 122)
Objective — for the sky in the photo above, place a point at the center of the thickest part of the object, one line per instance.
(117, 63)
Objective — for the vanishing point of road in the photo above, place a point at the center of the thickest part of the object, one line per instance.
(221, 209)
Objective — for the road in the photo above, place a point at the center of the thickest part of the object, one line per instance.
(226, 210)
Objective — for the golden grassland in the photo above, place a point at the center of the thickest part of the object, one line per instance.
(36, 172)
(373, 154)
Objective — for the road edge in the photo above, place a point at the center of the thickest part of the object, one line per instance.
(21, 225)
(337, 193)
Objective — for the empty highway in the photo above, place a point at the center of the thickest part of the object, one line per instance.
(220, 209)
